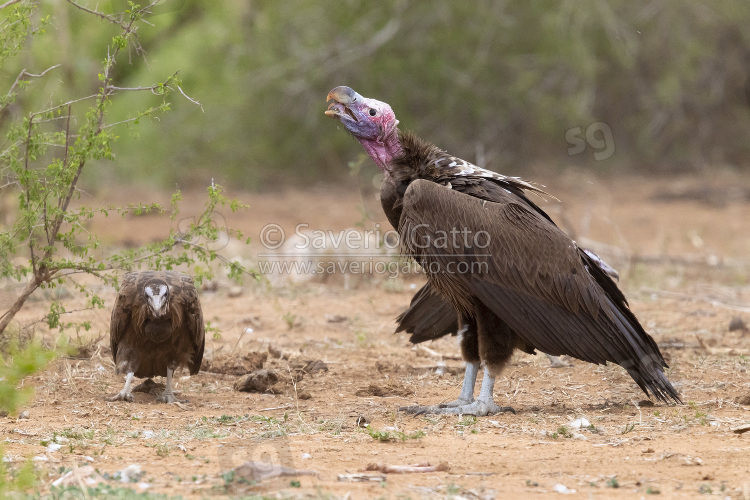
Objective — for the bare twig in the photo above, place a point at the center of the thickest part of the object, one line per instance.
(8, 3)
(190, 98)
(24, 73)
(106, 17)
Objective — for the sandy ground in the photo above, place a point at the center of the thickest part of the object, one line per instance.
(681, 248)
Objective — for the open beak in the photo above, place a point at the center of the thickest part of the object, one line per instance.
(343, 98)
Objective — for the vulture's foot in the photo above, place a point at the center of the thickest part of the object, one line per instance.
(169, 397)
(481, 408)
(122, 396)
(458, 402)
(477, 408)
(557, 362)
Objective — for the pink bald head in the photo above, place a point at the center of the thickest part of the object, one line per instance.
(371, 122)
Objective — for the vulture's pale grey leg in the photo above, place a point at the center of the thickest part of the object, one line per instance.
(485, 403)
(483, 406)
(467, 390)
(125, 394)
(168, 396)
(556, 361)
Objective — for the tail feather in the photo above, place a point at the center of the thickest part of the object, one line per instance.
(428, 317)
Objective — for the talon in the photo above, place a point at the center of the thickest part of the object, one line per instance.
(121, 396)
(168, 398)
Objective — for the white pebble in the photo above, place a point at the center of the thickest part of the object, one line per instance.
(306, 456)
(53, 447)
(130, 473)
(561, 488)
(580, 423)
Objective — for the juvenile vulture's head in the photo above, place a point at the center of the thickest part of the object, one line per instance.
(371, 122)
(157, 297)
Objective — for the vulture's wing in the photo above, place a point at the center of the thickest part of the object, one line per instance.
(529, 273)
(183, 289)
(429, 316)
(122, 311)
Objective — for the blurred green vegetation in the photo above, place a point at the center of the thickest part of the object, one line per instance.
(495, 82)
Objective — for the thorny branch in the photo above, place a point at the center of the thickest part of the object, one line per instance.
(24, 73)
(8, 3)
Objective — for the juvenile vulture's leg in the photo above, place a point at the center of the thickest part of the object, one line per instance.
(124, 394)
(168, 396)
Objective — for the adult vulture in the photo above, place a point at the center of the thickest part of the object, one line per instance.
(157, 327)
(515, 280)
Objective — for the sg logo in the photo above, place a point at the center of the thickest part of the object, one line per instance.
(598, 135)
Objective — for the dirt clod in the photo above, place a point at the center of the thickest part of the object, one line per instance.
(336, 318)
(150, 387)
(315, 366)
(258, 381)
(232, 364)
(384, 390)
(258, 471)
(737, 324)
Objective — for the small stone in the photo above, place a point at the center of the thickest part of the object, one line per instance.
(257, 381)
(24, 415)
(736, 323)
(234, 291)
(336, 318)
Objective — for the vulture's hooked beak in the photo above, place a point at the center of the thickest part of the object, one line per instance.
(343, 98)
(158, 300)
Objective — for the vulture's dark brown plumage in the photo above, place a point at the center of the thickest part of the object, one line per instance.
(523, 285)
(157, 327)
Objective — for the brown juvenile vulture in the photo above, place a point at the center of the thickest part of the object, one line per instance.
(157, 327)
(514, 279)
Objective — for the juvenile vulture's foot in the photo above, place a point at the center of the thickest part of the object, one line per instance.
(169, 397)
(458, 402)
(122, 396)
(477, 408)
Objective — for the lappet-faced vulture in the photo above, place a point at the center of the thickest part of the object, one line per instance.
(514, 279)
(157, 327)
